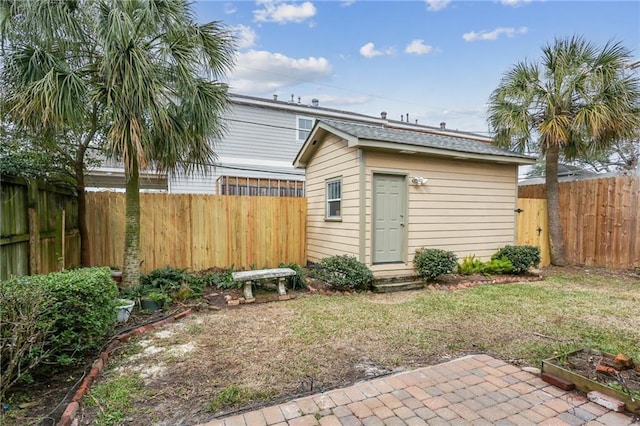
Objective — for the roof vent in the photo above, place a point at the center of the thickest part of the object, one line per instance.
(315, 102)
(443, 125)
(275, 97)
(383, 115)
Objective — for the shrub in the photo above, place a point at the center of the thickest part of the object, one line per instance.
(344, 273)
(82, 311)
(296, 280)
(24, 329)
(225, 279)
(170, 281)
(497, 266)
(470, 265)
(521, 257)
(168, 284)
(431, 263)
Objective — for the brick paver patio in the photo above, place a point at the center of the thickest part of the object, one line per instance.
(473, 390)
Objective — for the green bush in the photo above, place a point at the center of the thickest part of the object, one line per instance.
(297, 280)
(169, 284)
(82, 311)
(521, 257)
(225, 279)
(431, 263)
(24, 330)
(344, 273)
(497, 266)
(470, 265)
(170, 281)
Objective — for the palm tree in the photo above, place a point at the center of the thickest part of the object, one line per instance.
(576, 101)
(143, 70)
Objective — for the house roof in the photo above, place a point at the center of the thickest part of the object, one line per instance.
(387, 137)
(324, 113)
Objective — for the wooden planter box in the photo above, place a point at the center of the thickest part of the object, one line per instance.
(553, 366)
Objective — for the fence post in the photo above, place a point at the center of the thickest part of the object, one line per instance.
(34, 227)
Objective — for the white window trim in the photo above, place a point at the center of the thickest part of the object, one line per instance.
(298, 128)
(327, 199)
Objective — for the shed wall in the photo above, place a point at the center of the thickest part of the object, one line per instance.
(327, 238)
(465, 207)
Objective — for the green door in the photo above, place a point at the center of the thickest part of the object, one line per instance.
(389, 195)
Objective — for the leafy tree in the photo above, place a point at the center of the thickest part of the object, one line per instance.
(623, 156)
(141, 72)
(577, 101)
(20, 157)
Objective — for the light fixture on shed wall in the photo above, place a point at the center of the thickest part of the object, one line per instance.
(419, 180)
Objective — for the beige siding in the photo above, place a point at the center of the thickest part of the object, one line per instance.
(465, 207)
(327, 238)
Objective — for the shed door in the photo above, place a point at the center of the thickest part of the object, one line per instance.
(388, 218)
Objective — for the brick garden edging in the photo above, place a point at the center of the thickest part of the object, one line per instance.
(69, 415)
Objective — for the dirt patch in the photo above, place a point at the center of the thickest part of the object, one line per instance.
(585, 363)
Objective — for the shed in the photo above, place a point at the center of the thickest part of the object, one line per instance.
(378, 193)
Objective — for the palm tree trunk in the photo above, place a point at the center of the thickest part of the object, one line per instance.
(85, 254)
(556, 234)
(131, 267)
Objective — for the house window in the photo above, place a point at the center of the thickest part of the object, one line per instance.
(305, 124)
(334, 198)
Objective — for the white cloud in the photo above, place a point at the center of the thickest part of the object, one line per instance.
(493, 35)
(230, 8)
(347, 3)
(514, 3)
(369, 51)
(417, 47)
(245, 36)
(281, 12)
(436, 5)
(261, 73)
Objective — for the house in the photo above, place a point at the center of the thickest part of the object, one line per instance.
(379, 191)
(255, 155)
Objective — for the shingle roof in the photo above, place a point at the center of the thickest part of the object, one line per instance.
(419, 138)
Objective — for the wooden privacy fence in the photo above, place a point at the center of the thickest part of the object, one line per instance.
(39, 228)
(600, 220)
(200, 231)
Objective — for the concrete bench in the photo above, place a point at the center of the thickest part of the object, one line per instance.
(262, 274)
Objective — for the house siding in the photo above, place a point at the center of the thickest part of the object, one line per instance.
(465, 207)
(328, 238)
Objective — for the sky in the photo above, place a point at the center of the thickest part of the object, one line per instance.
(435, 60)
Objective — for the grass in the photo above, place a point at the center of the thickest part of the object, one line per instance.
(277, 347)
(235, 396)
(113, 398)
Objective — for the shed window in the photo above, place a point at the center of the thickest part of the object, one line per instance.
(334, 198)
(305, 124)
